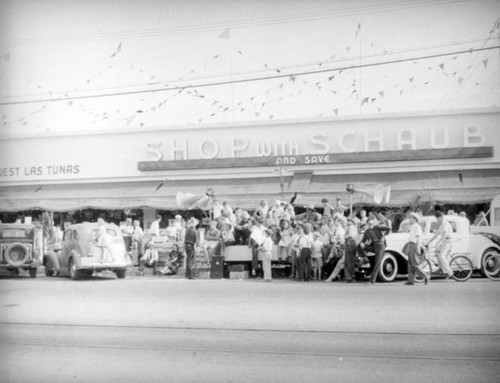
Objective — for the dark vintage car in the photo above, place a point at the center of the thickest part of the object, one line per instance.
(19, 248)
(87, 248)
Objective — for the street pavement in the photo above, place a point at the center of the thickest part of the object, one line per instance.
(171, 329)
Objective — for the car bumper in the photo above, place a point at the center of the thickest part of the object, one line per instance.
(91, 264)
(32, 263)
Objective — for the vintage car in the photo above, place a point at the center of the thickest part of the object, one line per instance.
(19, 248)
(87, 248)
(475, 246)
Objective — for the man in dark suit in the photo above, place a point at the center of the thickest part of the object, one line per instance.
(190, 241)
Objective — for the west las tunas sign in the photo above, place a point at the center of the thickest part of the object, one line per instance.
(346, 147)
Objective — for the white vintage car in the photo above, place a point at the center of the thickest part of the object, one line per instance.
(81, 254)
(475, 246)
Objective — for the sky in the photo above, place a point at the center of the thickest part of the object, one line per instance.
(71, 66)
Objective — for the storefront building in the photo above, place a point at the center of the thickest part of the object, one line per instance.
(446, 157)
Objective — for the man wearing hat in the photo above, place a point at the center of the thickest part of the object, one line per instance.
(412, 250)
(190, 241)
(373, 240)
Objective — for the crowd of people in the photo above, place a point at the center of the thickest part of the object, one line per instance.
(317, 246)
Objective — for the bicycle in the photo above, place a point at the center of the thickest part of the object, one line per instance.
(491, 266)
(460, 264)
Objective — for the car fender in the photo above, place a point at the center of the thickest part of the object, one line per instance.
(478, 245)
(76, 256)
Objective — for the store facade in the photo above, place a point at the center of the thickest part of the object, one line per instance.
(447, 157)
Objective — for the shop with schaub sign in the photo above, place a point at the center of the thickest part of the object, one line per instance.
(448, 157)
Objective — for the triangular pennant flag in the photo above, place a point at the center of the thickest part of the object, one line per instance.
(336, 111)
(381, 93)
(358, 30)
(441, 66)
(226, 34)
(410, 80)
(485, 63)
(460, 80)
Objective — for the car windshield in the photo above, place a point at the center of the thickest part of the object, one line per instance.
(109, 231)
(15, 233)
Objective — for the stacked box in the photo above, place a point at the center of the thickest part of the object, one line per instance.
(239, 274)
(202, 273)
(239, 268)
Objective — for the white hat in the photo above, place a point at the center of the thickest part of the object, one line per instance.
(415, 215)
(178, 217)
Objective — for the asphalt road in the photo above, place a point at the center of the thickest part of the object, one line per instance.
(159, 329)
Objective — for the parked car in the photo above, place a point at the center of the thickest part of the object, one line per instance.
(475, 246)
(19, 248)
(86, 249)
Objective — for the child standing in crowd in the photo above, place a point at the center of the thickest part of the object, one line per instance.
(304, 260)
(316, 256)
(265, 250)
(285, 239)
(294, 250)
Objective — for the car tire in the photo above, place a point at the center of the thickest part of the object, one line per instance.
(19, 261)
(121, 273)
(73, 272)
(32, 271)
(48, 271)
(486, 263)
(388, 268)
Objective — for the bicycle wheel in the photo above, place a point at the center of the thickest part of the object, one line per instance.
(426, 265)
(491, 266)
(461, 267)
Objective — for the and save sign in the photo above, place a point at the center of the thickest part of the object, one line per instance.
(394, 155)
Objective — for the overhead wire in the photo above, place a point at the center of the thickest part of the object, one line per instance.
(245, 23)
(246, 80)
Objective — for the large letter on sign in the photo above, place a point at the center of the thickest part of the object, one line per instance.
(473, 136)
(239, 145)
(214, 151)
(407, 140)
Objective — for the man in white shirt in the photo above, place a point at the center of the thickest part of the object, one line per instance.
(444, 231)
(413, 248)
(154, 229)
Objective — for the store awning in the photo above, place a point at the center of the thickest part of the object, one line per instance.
(473, 186)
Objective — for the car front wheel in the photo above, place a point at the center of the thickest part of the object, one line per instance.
(73, 272)
(388, 268)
